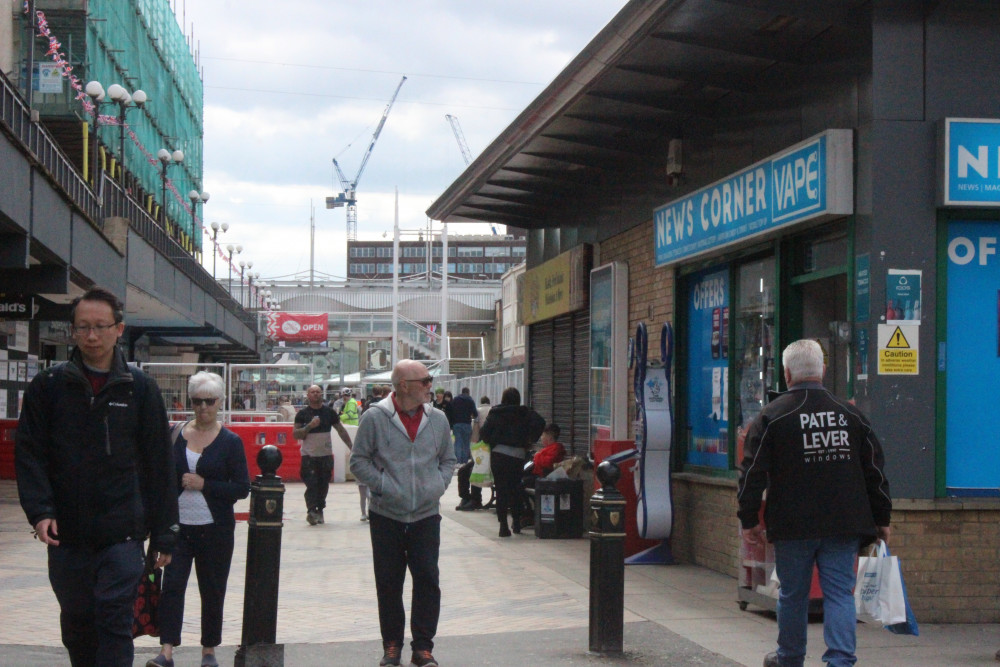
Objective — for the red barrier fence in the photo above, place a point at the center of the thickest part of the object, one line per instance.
(253, 434)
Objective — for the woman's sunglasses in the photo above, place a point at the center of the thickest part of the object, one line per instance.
(203, 401)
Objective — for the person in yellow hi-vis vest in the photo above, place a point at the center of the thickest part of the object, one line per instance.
(349, 415)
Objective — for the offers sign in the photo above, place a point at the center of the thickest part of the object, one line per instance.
(297, 327)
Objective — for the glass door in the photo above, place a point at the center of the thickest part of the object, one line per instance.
(754, 343)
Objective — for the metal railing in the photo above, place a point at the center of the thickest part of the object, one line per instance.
(44, 152)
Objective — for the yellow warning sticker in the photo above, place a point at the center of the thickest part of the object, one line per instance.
(898, 350)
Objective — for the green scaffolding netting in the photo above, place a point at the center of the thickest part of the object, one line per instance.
(138, 44)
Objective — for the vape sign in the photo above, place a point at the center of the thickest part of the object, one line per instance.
(297, 327)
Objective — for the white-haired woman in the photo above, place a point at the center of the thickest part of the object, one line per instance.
(212, 475)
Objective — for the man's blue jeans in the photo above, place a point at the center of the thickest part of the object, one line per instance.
(834, 557)
(463, 448)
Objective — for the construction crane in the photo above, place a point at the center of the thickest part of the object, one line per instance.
(348, 197)
(460, 138)
(464, 147)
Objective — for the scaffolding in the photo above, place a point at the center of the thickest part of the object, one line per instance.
(138, 44)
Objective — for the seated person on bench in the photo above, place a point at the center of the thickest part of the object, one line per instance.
(546, 458)
(544, 462)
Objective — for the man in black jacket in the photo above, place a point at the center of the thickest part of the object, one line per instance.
(95, 477)
(827, 495)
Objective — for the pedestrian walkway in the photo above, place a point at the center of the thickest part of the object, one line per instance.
(514, 601)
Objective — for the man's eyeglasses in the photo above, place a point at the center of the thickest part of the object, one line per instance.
(203, 401)
(97, 328)
(424, 381)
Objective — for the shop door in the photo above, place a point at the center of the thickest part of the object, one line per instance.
(823, 317)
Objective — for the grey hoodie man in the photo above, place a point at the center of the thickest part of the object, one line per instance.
(407, 479)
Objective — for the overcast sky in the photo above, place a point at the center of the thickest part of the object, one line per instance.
(291, 85)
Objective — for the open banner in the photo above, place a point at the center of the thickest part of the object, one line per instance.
(297, 327)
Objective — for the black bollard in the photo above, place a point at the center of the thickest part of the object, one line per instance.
(607, 563)
(260, 599)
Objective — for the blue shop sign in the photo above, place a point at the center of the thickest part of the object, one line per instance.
(971, 162)
(807, 181)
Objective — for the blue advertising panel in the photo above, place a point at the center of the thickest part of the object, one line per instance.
(708, 368)
(973, 359)
(809, 180)
(971, 162)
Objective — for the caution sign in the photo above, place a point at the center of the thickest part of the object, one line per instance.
(898, 349)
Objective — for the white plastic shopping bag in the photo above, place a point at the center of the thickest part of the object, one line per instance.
(878, 593)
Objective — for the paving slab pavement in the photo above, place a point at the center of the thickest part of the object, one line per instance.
(514, 601)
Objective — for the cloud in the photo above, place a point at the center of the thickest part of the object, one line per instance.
(290, 86)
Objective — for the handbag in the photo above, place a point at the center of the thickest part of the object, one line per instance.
(878, 590)
(482, 474)
(146, 619)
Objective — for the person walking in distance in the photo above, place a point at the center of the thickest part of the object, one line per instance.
(313, 424)
(403, 452)
(827, 495)
(463, 412)
(95, 477)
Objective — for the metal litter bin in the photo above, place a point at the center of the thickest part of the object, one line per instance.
(558, 508)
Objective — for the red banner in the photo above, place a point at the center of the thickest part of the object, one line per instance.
(296, 327)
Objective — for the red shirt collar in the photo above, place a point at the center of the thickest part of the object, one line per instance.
(410, 422)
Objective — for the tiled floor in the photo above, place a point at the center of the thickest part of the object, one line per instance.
(489, 585)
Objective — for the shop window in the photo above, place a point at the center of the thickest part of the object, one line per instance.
(754, 343)
(707, 418)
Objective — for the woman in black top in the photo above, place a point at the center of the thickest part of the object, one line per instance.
(510, 429)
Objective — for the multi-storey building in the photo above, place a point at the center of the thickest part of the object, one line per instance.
(474, 257)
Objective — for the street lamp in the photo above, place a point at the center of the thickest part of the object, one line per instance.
(215, 233)
(166, 159)
(231, 249)
(95, 90)
(243, 265)
(196, 198)
(251, 302)
(125, 101)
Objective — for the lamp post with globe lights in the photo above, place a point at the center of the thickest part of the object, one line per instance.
(126, 102)
(215, 246)
(232, 249)
(166, 159)
(196, 198)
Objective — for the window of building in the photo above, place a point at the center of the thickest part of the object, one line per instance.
(468, 251)
(385, 251)
(519, 251)
(497, 251)
(414, 251)
(385, 268)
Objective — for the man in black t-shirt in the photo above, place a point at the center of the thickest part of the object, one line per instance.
(313, 424)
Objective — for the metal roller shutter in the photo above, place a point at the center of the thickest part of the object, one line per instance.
(540, 366)
(578, 441)
(562, 363)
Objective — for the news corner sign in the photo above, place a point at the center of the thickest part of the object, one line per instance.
(297, 327)
(810, 180)
(970, 162)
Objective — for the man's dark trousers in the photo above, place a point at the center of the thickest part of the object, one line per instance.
(316, 472)
(396, 545)
(96, 590)
(466, 491)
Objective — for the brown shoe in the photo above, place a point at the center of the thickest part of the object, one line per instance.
(423, 659)
(771, 660)
(393, 650)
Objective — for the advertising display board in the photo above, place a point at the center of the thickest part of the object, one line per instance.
(973, 358)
